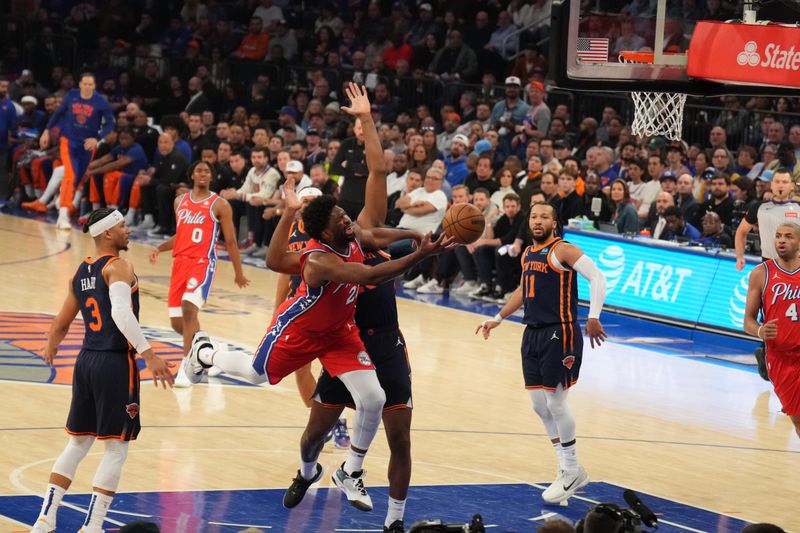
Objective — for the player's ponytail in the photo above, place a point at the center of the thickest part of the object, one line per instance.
(96, 215)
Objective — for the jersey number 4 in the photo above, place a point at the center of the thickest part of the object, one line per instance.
(94, 310)
(791, 312)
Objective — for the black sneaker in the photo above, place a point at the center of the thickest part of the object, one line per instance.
(481, 293)
(761, 359)
(396, 527)
(297, 490)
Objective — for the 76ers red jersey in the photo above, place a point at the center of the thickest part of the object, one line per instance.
(781, 300)
(196, 227)
(317, 310)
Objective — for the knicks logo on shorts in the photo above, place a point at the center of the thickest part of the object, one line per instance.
(569, 361)
(364, 359)
(132, 409)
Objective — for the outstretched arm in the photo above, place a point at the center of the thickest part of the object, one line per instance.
(379, 238)
(60, 325)
(374, 212)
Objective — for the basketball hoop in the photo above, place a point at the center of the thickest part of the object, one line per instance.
(655, 113)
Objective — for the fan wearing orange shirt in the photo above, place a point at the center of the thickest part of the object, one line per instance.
(255, 43)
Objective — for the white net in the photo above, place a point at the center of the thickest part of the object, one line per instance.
(655, 113)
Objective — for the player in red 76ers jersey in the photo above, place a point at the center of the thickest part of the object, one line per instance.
(774, 290)
(199, 215)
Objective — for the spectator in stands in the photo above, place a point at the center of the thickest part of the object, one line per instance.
(423, 210)
(456, 162)
(491, 254)
(587, 137)
(268, 13)
(351, 164)
(625, 217)
(628, 39)
(603, 165)
(255, 43)
(549, 186)
(675, 158)
(396, 180)
(482, 176)
(745, 161)
(119, 169)
(719, 201)
(199, 101)
(656, 222)
(504, 40)
(713, 234)
(445, 138)
(721, 159)
(455, 61)
(506, 180)
(684, 197)
(509, 112)
(320, 180)
(669, 182)
(596, 205)
(677, 227)
(287, 116)
(568, 203)
(718, 138)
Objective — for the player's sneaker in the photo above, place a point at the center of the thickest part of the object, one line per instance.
(43, 526)
(340, 435)
(396, 527)
(297, 490)
(181, 379)
(214, 372)
(415, 283)
(87, 529)
(430, 287)
(63, 220)
(761, 359)
(481, 293)
(36, 206)
(193, 369)
(353, 487)
(565, 485)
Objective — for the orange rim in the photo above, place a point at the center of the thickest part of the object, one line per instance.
(643, 57)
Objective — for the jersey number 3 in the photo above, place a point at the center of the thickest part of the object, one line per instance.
(97, 323)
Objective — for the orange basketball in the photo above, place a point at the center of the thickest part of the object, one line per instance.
(464, 222)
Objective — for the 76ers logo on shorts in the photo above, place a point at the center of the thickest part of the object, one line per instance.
(363, 358)
(569, 361)
(132, 409)
(192, 283)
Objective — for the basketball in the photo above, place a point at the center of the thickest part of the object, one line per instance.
(464, 222)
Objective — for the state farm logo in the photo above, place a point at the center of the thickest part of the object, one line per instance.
(775, 57)
(749, 56)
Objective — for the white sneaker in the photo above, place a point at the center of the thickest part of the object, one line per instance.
(130, 217)
(466, 287)
(43, 526)
(87, 529)
(412, 285)
(193, 369)
(181, 379)
(565, 485)
(214, 371)
(430, 287)
(63, 220)
(147, 223)
(353, 488)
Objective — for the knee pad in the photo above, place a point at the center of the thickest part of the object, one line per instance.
(110, 469)
(76, 449)
(539, 402)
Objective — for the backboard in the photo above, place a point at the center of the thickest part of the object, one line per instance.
(587, 38)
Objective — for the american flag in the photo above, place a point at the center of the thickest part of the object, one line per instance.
(592, 50)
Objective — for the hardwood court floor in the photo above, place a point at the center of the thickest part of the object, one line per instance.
(701, 434)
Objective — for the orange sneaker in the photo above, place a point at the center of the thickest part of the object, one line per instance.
(36, 206)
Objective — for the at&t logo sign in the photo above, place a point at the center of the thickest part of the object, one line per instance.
(647, 280)
(738, 302)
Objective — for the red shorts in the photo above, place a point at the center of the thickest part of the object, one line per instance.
(282, 352)
(191, 281)
(784, 372)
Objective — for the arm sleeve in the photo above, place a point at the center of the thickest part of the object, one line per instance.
(122, 314)
(597, 284)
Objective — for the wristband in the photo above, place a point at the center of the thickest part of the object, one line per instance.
(758, 333)
(497, 318)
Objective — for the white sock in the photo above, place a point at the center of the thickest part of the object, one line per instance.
(149, 218)
(308, 470)
(95, 205)
(63, 212)
(569, 455)
(52, 499)
(397, 509)
(98, 507)
(76, 202)
(237, 363)
(354, 462)
(53, 186)
(559, 453)
(29, 190)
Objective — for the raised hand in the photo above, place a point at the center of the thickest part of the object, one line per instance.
(359, 100)
(291, 201)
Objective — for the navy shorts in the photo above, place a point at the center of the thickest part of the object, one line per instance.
(551, 356)
(387, 349)
(105, 396)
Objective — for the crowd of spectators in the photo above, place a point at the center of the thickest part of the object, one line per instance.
(255, 88)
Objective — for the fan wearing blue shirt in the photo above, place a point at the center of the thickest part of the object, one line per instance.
(8, 124)
(677, 228)
(120, 168)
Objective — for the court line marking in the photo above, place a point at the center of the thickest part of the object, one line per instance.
(67, 246)
(455, 431)
(237, 525)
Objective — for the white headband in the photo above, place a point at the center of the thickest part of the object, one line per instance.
(106, 223)
(309, 191)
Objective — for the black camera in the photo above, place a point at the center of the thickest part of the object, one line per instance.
(437, 526)
(611, 518)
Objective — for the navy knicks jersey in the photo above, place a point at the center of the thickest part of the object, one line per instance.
(550, 295)
(376, 307)
(298, 240)
(91, 291)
